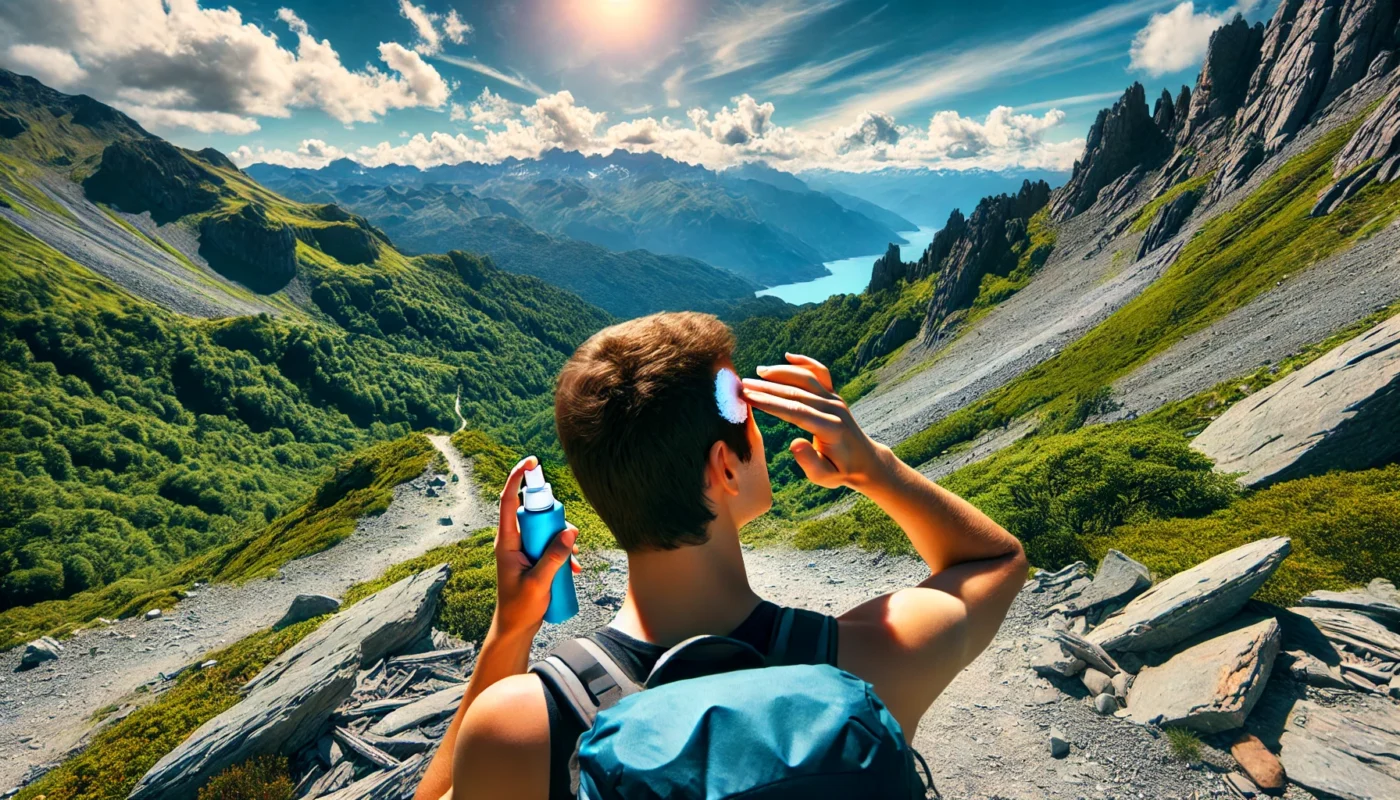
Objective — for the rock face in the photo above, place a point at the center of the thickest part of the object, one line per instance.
(1230, 60)
(306, 606)
(1118, 580)
(1352, 630)
(1377, 143)
(152, 175)
(346, 242)
(40, 650)
(990, 242)
(1168, 221)
(899, 331)
(1121, 139)
(1379, 600)
(287, 704)
(434, 706)
(887, 271)
(1349, 751)
(1210, 685)
(248, 247)
(1340, 412)
(1193, 600)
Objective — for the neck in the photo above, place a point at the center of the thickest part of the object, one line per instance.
(675, 594)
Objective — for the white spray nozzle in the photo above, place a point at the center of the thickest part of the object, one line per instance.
(538, 494)
(534, 478)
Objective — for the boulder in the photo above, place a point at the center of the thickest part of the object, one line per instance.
(1118, 580)
(1096, 682)
(1106, 704)
(1342, 411)
(288, 704)
(1309, 669)
(1349, 751)
(428, 709)
(45, 648)
(1261, 765)
(1193, 600)
(1379, 600)
(1213, 682)
(306, 606)
(1230, 59)
(1354, 631)
(1059, 745)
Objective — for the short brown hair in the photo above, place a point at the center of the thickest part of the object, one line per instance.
(636, 413)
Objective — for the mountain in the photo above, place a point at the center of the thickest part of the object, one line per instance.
(437, 217)
(184, 354)
(758, 171)
(766, 233)
(925, 196)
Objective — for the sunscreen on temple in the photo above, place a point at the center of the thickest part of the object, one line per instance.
(541, 519)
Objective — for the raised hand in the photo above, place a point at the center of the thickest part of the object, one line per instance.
(839, 452)
(522, 589)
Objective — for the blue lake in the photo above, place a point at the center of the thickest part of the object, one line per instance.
(849, 275)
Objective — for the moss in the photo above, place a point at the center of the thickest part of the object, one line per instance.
(119, 755)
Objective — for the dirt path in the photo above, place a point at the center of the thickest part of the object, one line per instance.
(45, 712)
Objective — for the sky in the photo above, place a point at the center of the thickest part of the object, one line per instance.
(850, 85)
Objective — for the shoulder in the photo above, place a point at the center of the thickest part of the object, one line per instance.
(503, 746)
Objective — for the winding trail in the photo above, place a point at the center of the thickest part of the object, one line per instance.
(46, 711)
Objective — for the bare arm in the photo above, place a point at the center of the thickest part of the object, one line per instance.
(910, 643)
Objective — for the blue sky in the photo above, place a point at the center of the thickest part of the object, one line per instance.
(847, 84)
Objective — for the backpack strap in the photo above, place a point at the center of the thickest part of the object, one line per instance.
(586, 678)
(802, 637)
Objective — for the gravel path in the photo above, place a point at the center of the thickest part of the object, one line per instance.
(45, 712)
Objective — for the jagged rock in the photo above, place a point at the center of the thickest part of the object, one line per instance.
(1105, 704)
(328, 750)
(347, 243)
(364, 749)
(1067, 574)
(1211, 683)
(1379, 600)
(990, 242)
(1164, 113)
(397, 746)
(1241, 787)
(1261, 765)
(456, 654)
(306, 606)
(393, 784)
(1118, 580)
(1122, 138)
(1378, 138)
(1183, 106)
(1168, 221)
(1342, 411)
(1364, 29)
(1086, 651)
(45, 648)
(887, 271)
(899, 331)
(337, 778)
(435, 706)
(287, 705)
(152, 175)
(1352, 630)
(248, 247)
(1059, 745)
(1230, 60)
(1309, 669)
(1348, 751)
(1193, 600)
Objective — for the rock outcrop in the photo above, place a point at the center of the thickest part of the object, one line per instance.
(1168, 221)
(248, 247)
(1122, 139)
(1379, 600)
(1118, 580)
(1349, 750)
(346, 242)
(887, 271)
(306, 606)
(1340, 412)
(899, 331)
(1192, 600)
(287, 705)
(153, 175)
(1211, 684)
(1230, 60)
(990, 242)
(1372, 155)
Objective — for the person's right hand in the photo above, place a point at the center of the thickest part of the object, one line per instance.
(522, 588)
(800, 392)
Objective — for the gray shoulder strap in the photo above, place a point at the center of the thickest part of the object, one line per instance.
(803, 637)
(585, 677)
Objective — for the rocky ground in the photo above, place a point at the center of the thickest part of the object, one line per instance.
(44, 712)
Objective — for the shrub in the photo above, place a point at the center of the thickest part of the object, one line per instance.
(1185, 744)
(258, 778)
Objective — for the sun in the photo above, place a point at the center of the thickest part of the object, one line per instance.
(616, 23)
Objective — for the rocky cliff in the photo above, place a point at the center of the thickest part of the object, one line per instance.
(153, 175)
(248, 247)
(1123, 139)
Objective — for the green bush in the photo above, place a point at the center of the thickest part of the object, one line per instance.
(258, 778)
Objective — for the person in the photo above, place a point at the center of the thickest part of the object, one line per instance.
(675, 480)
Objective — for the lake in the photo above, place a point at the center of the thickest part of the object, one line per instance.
(849, 275)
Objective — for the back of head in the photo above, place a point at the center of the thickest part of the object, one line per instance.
(637, 414)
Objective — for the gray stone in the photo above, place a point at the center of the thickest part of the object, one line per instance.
(1105, 704)
(1354, 631)
(1048, 657)
(1059, 745)
(1377, 139)
(1097, 682)
(1118, 580)
(328, 750)
(427, 709)
(397, 746)
(1240, 786)
(43, 649)
(1193, 600)
(1122, 683)
(1212, 683)
(287, 705)
(1342, 411)
(348, 739)
(1350, 751)
(154, 613)
(1046, 580)
(1313, 671)
(1379, 600)
(337, 778)
(392, 784)
(307, 606)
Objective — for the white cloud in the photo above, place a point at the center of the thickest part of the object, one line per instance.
(752, 35)
(672, 87)
(1177, 40)
(311, 154)
(800, 79)
(740, 131)
(429, 40)
(455, 28)
(516, 80)
(458, 114)
(1073, 100)
(177, 64)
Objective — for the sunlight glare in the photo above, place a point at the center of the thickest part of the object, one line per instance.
(615, 23)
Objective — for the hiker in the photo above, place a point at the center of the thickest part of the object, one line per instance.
(674, 465)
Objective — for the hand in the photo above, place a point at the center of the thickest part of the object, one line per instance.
(800, 392)
(522, 589)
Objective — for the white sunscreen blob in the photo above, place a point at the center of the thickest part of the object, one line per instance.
(727, 396)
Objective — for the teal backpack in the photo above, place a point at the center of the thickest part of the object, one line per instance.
(716, 719)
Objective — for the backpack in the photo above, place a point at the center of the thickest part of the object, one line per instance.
(717, 719)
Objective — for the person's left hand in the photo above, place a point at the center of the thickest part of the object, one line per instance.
(522, 589)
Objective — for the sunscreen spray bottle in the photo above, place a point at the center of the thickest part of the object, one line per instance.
(541, 519)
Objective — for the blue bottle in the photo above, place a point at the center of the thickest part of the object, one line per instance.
(541, 519)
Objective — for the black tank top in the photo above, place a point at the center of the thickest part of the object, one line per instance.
(636, 658)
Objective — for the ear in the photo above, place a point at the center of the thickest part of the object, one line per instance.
(722, 469)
